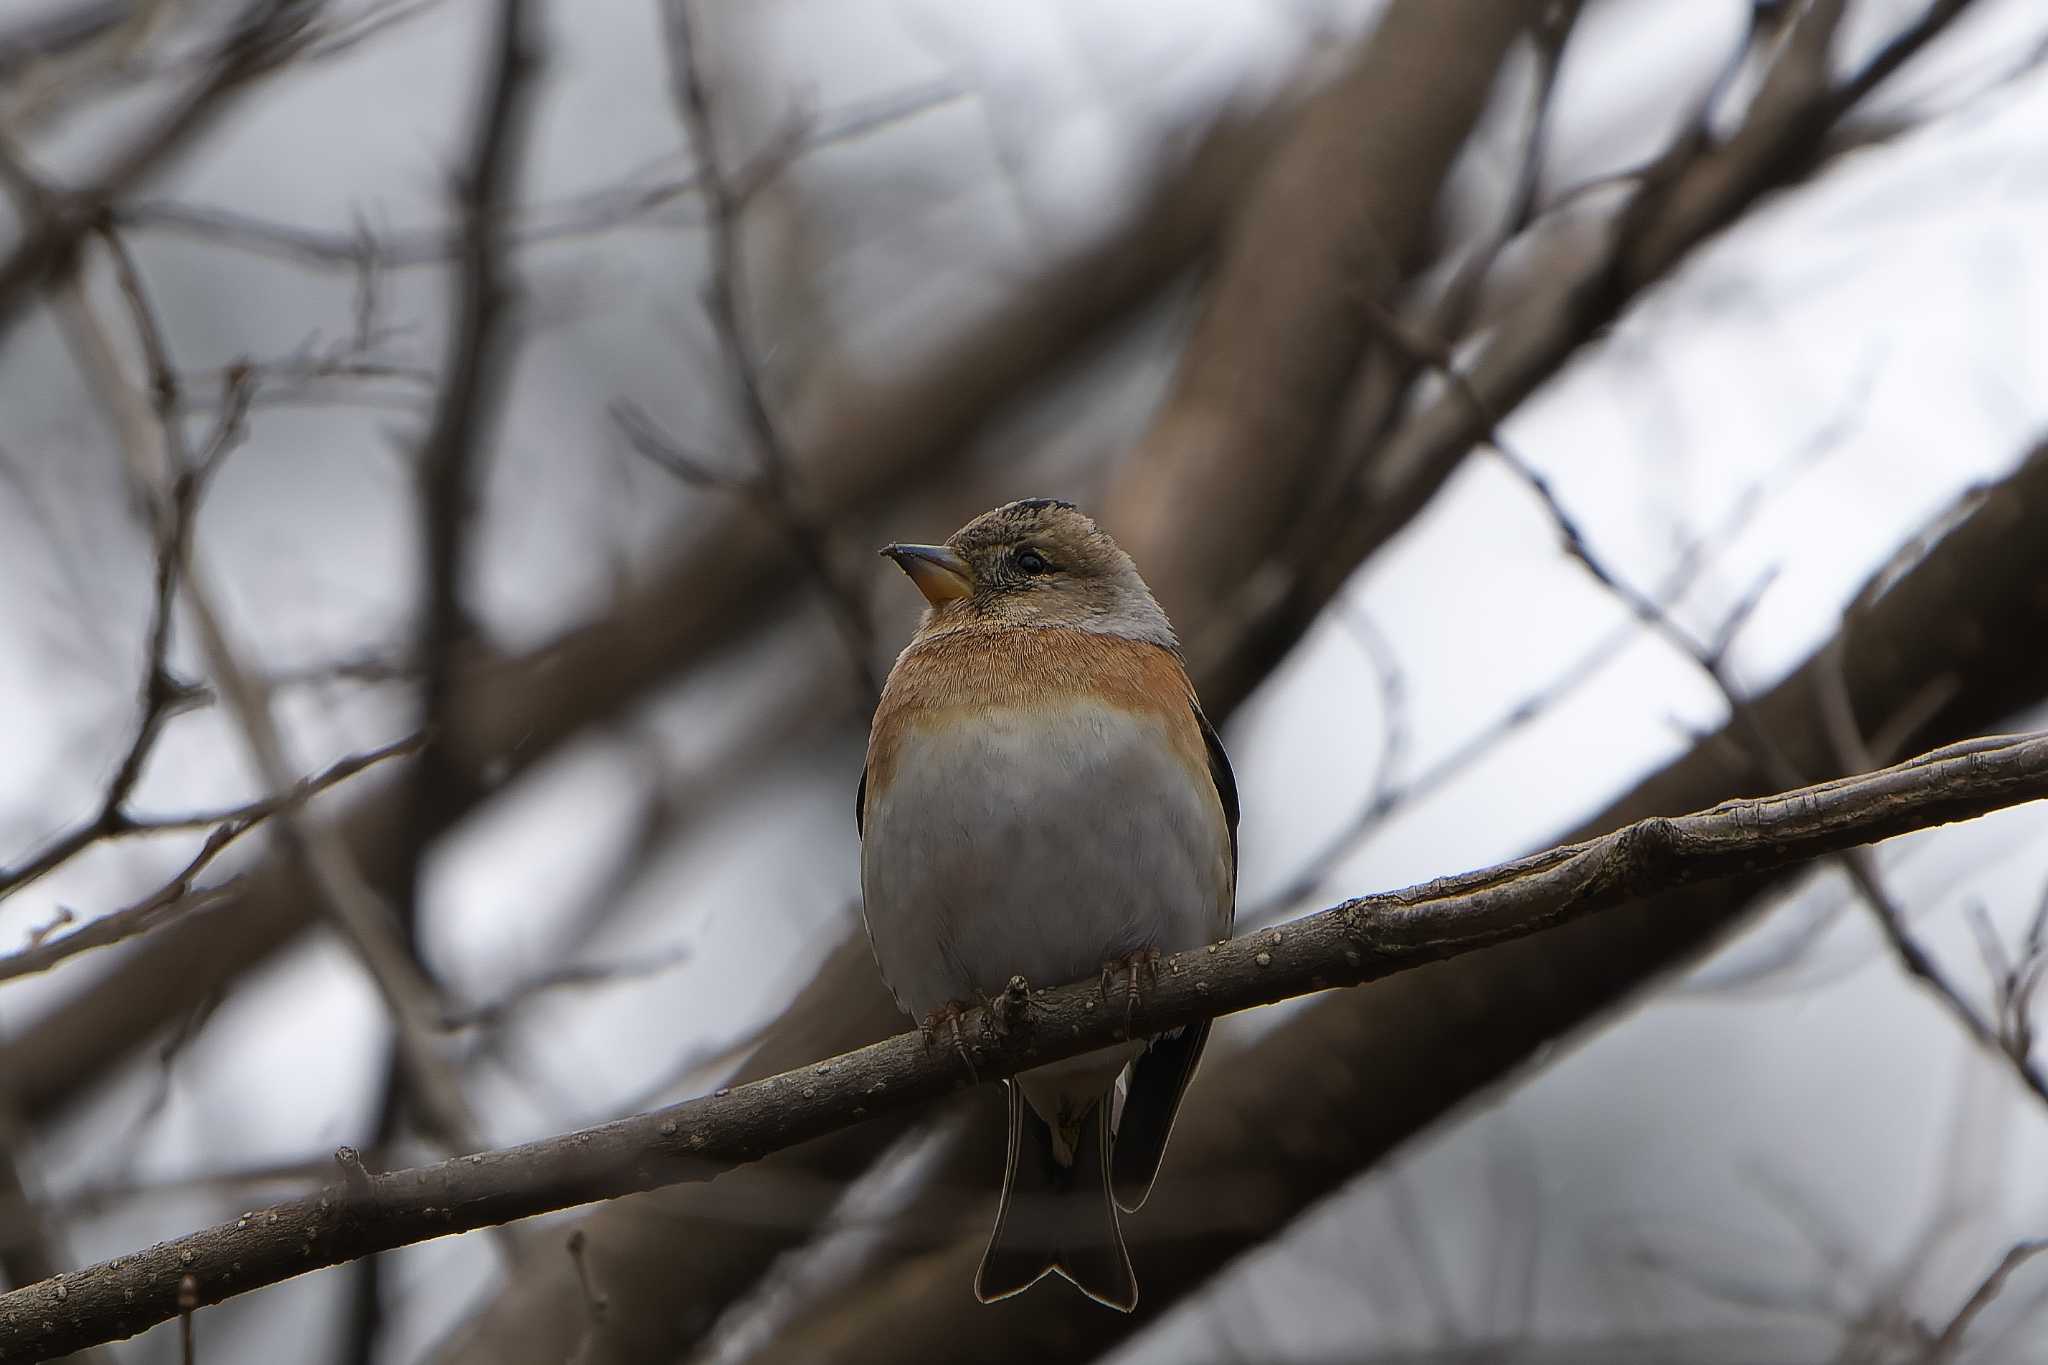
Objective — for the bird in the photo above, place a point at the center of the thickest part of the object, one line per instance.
(1043, 798)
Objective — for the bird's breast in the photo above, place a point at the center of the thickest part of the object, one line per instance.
(1037, 832)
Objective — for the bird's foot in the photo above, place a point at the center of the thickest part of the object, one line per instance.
(1140, 969)
(948, 1016)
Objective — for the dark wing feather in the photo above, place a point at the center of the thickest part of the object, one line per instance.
(860, 814)
(1226, 787)
(1161, 1074)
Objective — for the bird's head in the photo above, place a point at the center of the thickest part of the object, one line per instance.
(1034, 563)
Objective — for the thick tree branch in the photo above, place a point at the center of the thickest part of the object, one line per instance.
(1327, 236)
(1350, 944)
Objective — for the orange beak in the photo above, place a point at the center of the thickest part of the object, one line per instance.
(939, 574)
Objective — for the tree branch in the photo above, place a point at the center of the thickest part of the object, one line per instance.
(1358, 941)
(458, 442)
(178, 896)
(726, 198)
(1945, 1346)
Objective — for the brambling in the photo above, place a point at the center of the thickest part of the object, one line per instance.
(1044, 798)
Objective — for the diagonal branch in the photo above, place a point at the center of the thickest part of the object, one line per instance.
(178, 895)
(1945, 1346)
(1358, 941)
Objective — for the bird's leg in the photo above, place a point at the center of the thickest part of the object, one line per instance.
(949, 1015)
(1142, 963)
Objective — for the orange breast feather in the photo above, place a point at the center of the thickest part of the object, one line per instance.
(949, 679)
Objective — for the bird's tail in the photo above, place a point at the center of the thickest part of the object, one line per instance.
(1057, 1216)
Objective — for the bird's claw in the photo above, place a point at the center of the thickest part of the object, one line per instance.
(949, 1015)
(1142, 965)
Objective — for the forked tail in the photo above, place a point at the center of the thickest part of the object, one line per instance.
(1058, 1218)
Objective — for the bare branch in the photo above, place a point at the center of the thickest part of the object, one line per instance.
(1950, 1341)
(641, 197)
(570, 976)
(726, 198)
(178, 897)
(170, 483)
(1359, 941)
(1390, 797)
(459, 439)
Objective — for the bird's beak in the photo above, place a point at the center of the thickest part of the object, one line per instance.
(940, 575)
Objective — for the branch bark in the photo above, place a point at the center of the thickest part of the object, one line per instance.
(1359, 941)
(1327, 237)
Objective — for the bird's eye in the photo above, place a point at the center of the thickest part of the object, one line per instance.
(1032, 562)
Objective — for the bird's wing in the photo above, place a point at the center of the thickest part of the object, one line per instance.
(1226, 790)
(1161, 1073)
(860, 813)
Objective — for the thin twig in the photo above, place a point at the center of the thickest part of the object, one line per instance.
(188, 1303)
(1712, 659)
(166, 480)
(570, 976)
(178, 896)
(595, 1304)
(1950, 1340)
(726, 197)
(1389, 797)
(1693, 188)
(163, 694)
(590, 213)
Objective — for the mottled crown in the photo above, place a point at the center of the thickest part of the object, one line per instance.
(1044, 562)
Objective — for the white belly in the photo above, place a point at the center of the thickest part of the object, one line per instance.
(1041, 843)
